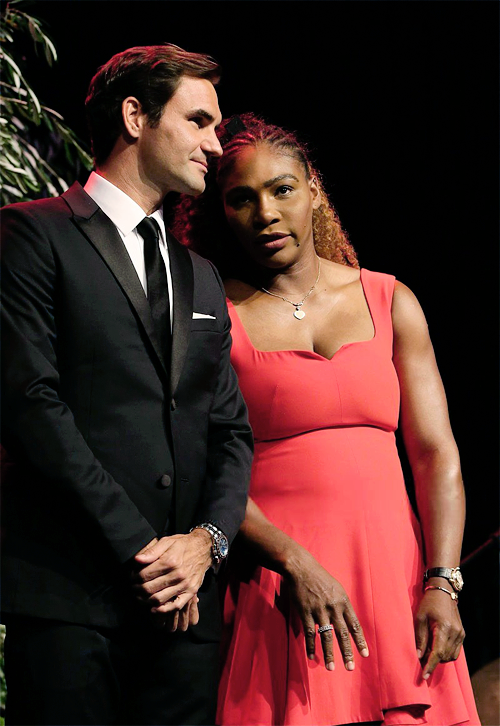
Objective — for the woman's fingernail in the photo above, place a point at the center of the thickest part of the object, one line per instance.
(350, 665)
(419, 653)
(330, 666)
(311, 656)
(365, 653)
(427, 675)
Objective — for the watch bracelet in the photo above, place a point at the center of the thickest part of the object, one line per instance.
(214, 533)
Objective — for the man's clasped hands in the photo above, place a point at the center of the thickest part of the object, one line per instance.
(167, 575)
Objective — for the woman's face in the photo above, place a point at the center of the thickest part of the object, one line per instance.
(268, 202)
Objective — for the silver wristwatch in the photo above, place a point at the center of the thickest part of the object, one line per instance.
(452, 574)
(220, 544)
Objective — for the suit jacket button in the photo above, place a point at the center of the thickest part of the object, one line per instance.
(173, 404)
(165, 481)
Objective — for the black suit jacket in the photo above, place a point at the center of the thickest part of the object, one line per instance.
(96, 424)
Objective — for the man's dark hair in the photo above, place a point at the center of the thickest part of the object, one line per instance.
(150, 73)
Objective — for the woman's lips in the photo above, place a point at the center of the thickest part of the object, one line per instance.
(273, 242)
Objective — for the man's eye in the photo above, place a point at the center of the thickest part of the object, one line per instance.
(197, 120)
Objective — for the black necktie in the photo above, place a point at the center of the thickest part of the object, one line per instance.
(156, 277)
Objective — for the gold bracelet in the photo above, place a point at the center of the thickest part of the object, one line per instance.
(453, 595)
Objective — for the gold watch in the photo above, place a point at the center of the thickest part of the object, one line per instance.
(452, 574)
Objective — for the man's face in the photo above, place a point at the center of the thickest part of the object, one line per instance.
(174, 156)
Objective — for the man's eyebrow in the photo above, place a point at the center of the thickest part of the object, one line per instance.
(204, 114)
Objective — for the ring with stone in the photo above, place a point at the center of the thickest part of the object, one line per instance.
(325, 628)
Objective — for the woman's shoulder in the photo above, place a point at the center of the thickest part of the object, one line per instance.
(345, 274)
(342, 273)
(405, 300)
(375, 283)
(408, 318)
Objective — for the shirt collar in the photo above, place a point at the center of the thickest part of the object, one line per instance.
(122, 210)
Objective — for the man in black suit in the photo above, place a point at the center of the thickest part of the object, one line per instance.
(127, 440)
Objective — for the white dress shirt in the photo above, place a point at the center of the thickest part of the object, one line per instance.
(126, 215)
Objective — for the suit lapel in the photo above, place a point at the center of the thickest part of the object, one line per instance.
(103, 235)
(181, 268)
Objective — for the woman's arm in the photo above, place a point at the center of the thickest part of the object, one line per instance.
(435, 464)
(318, 597)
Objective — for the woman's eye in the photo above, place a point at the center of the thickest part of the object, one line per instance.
(238, 199)
(284, 190)
(237, 202)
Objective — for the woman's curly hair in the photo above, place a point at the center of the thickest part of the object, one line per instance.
(200, 223)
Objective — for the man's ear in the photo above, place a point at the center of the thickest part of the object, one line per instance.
(132, 116)
(315, 193)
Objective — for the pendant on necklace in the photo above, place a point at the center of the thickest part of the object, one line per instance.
(299, 314)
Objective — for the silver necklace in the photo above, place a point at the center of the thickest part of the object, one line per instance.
(298, 312)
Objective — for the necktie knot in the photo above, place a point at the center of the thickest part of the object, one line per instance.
(149, 229)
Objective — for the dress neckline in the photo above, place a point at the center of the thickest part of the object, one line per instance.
(312, 353)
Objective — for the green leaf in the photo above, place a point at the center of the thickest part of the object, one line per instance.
(6, 36)
(11, 62)
(14, 169)
(50, 51)
(23, 117)
(11, 190)
(35, 32)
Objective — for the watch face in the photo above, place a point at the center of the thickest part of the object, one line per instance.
(457, 580)
(223, 547)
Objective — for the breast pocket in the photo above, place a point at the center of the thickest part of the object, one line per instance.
(205, 325)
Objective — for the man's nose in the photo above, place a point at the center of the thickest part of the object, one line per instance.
(211, 145)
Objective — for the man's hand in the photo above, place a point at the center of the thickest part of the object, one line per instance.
(179, 619)
(171, 572)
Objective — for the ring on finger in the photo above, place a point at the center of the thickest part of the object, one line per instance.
(325, 628)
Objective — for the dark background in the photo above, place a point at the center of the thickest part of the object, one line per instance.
(399, 102)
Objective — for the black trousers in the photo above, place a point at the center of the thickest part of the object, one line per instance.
(60, 674)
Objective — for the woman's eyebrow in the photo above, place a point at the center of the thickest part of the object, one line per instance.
(267, 184)
(279, 178)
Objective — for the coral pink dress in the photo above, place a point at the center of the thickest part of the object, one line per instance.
(327, 472)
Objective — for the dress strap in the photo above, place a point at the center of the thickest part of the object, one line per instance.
(241, 341)
(379, 290)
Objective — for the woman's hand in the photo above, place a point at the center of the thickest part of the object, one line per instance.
(439, 633)
(321, 600)
(318, 597)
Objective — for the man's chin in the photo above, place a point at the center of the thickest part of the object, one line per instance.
(194, 190)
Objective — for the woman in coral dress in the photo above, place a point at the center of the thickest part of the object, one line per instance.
(328, 616)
